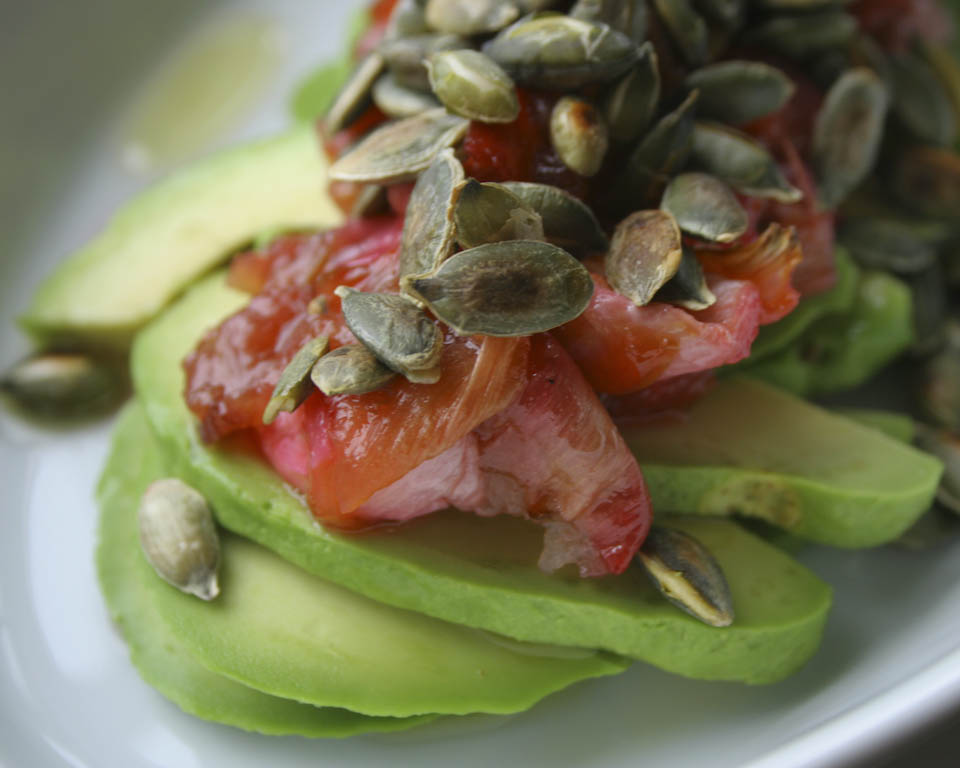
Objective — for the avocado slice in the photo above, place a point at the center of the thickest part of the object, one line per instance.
(750, 449)
(482, 572)
(162, 659)
(177, 230)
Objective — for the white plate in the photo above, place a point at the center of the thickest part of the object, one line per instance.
(68, 695)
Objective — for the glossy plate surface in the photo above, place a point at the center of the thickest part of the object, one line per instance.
(70, 74)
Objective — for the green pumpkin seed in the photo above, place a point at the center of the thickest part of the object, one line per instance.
(927, 180)
(920, 100)
(399, 151)
(632, 103)
(406, 20)
(350, 370)
(904, 246)
(627, 16)
(490, 213)
(513, 288)
(686, 28)
(847, 133)
(562, 53)
(706, 207)
(688, 287)
(407, 57)
(397, 331)
(473, 86)
(741, 161)
(294, 386)
(805, 35)
(578, 135)
(354, 96)
(945, 445)
(396, 101)
(61, 385)
(470, 17)
(178, 537)
(567, 221)
(740, 91)
(428, 228)
(645, 253)
(687, 575)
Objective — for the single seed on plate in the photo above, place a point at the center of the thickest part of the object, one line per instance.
(740, 91)
(294, 386)
(705, 207)
(399, 151)
(350, 370)
(473, 86)
(687, 575)
(62, 385)
(178, 537)
(645, 252)
(396, 330)
(428, 223)
(406, 57)
(578, 135)
(804, 35)
(354, 96)
(513, 288)
(632, 103)
(686, 28)
(490, 212)
(567, 221)
(395, 100)
(470, 17)
(688, 287)
(847, 134)
(921, 101)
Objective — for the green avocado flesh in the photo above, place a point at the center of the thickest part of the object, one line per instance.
(747, 448)
(164, 239)
(481, 572)
(281, 630)
(166, 662)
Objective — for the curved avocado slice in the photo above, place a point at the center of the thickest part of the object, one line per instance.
(482, 572)
(175, 231)
(747, 448)
(162, 659)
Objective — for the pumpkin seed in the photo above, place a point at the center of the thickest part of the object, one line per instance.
(407, 57)
(940, 381)
(632, 103)
(685, 573)
(489, 213)
(741, 161)
(470, 17)
(627, 16)
(567, 221)
(578, 135)
(473, 86)
(645, 253)
(904, 246)
(428, 224)
(513, 288)
(562, 53)
(847, 133)
(395, 100)
(686, 28)
(178, 537)
(706, 207)
(728, 13)
(688, 287)
(400, 150)
(406, 20)
(354, 96)
(61, 385)
(740, 91)
(927, 181)
(945, 445)
(350, 370)
(804, 35)
(397, 331)
(920, 101)
(294, 387)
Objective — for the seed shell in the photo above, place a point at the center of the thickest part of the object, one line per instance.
(294, 385)
(578, 135)
(632, 103)
(406, 57)
(627, 16)
(740, 91)
(470, 17)
(473, 86)
(687, 29)
(490, 213)
(354, 96)
(645, 253)
(61, 385)
(513, 288)
(568, 222)
(706, 207)
(350, 370)
(688, 287)
(406, 20)
(395, 100)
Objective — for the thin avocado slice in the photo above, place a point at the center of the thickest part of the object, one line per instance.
(482, 572)
(162, 659)
(750, 449)
(172, 233)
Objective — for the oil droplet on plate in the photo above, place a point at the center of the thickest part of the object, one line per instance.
(204, 87)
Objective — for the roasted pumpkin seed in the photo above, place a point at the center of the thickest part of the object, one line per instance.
(561, 52)
(632, 103)
(294, 386)
(740, 91)
(688, 287)
(686, 28)
(406, 20)
(406, 57)
(474, 86)
(470, 17)
(705, 207)
(578, 135)
(395, 330)
(920, 100)
(567, 221)
(801, 36)
(400, 150)
(354, 96)
(178, 537)
(645, 253)
(61, 385)
(847, 134)
(687, 575)
(350, 370)
(513, 288)
(490, 213)
(394, 100)
(627, 16)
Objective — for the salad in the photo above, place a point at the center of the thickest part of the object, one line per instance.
(529, 315)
